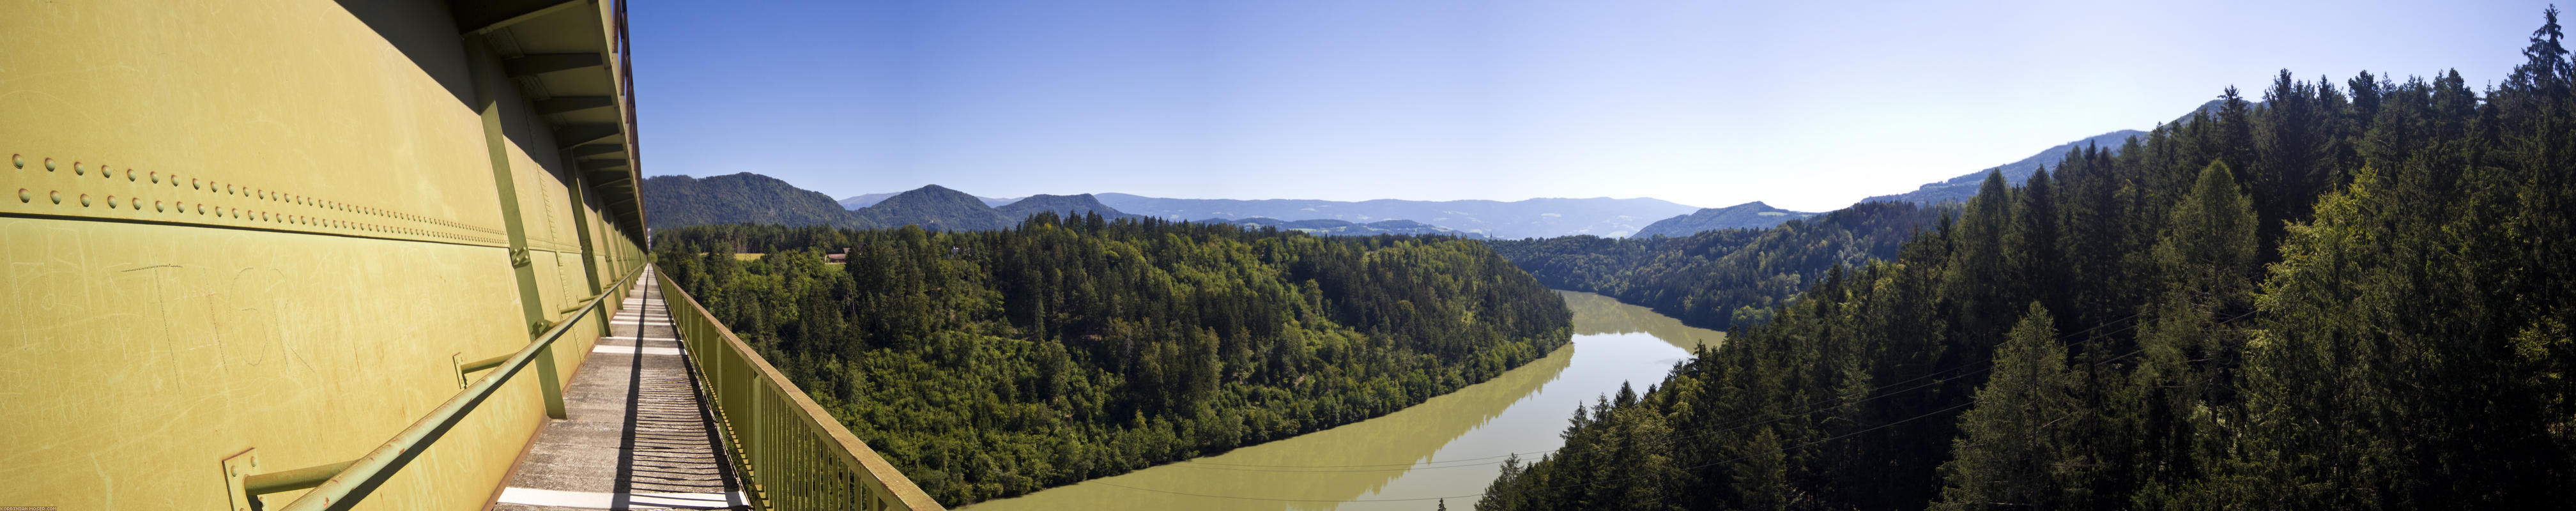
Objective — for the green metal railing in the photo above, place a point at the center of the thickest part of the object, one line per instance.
(790, 453)
(341, 485)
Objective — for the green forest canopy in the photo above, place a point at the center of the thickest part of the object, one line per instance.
(1712, 278)
(991, 364)
(2356, 295)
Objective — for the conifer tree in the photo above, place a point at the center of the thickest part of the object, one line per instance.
(1979, 280)
(2009, 454)
(2208, 249)
(2411, 348)
(2033, 240)
(1763, 479)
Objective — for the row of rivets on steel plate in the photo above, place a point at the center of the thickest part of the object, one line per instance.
(19, 161)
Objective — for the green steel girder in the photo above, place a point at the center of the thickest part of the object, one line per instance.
(615, 180)
(577, 134)
(561, 104)
(532, 65)
(599, 164)
(597, 149)
(478, 18)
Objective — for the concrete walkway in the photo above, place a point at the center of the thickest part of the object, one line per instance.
(638, 436)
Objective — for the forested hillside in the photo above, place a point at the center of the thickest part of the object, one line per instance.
(1344, 228)
(1067, 206)
(1711, 278)
(2355, 296)
(989, 364)
(1750, 215)
(1960, 189)
(678, 201)
(747, 198)
(1545, 216)
(935, 208)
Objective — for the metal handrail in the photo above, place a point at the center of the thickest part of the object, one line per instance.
(791, 453)
(350, 481)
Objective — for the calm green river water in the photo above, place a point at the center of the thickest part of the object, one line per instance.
(1449, 446)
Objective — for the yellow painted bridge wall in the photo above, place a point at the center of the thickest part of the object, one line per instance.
(267, 225)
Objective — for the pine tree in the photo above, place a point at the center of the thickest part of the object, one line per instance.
(2310, 368)
(2208, 250)
(2292, 158)
(1763, 478)
(2010, 453)
(2033, 240)
(1979, 280)
(1503, 494)
(2234, 140)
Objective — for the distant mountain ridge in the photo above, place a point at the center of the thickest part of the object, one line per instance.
(1541, 217)
(679, 201)
(1330, 227)
(676, 201)
(1067, 206)
(1750, 215)
(1959, 189)
(871, 199)
(753, 198)
(935, 208)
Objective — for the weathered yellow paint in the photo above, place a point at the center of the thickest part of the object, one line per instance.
(136, 358)
(291, 231)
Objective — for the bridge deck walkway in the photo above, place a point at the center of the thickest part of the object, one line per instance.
(638, 436)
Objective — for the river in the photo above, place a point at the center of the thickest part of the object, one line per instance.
(1449, 446)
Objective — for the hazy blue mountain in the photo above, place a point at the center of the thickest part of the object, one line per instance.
(1068, 206)
(865, 200)
(935, 208)
(748, 198)
(1516, 219)
(1959, 189)
(2211, 107)
(1750, 215)
(871, 199)
(1326, 227)
(735, 198)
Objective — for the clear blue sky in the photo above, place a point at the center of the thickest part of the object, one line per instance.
(1806, 105)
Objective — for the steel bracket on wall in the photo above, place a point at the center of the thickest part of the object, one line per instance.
(546, 386)
(237, 467)
(244, 483)
(458, 360)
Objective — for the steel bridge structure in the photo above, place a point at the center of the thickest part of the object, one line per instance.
(297, 254)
